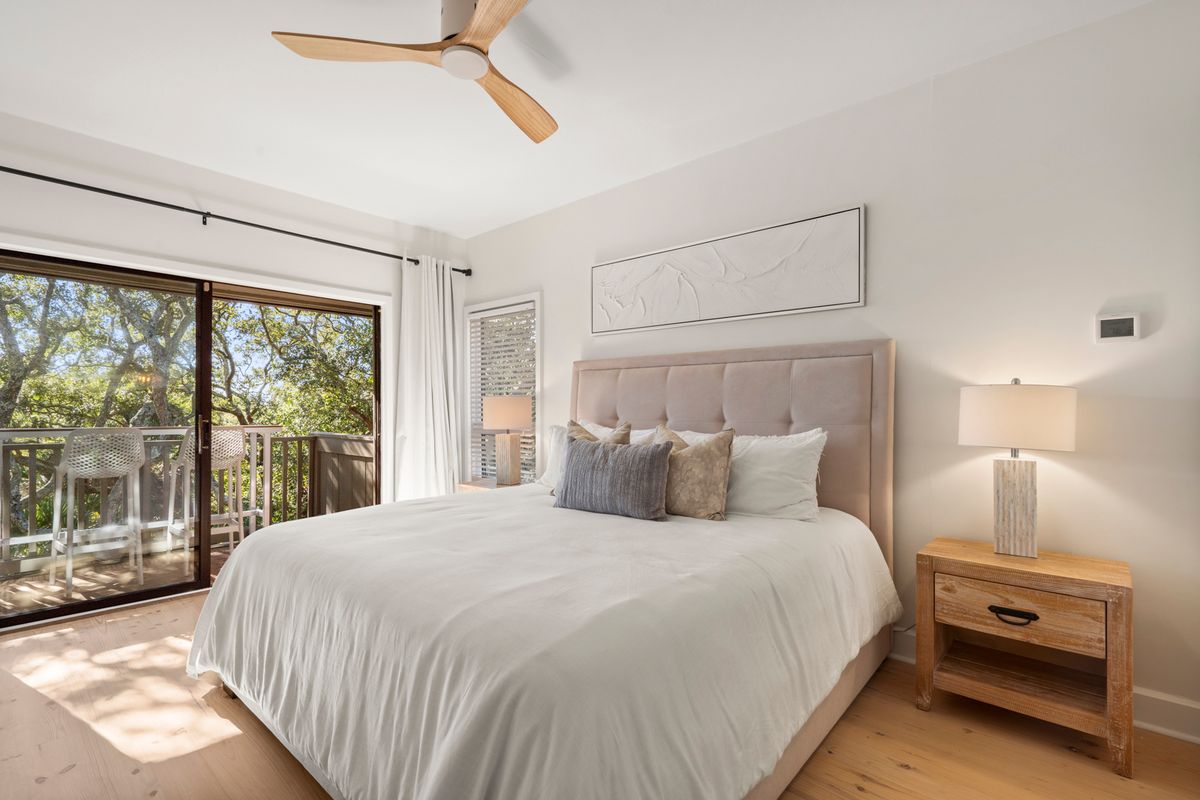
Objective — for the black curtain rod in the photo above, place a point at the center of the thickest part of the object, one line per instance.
(205, 216)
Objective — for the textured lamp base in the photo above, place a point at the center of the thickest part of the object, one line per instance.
(508, 459)
(1015, 481)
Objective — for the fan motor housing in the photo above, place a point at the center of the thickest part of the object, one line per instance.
(455, 16)
(464, 62)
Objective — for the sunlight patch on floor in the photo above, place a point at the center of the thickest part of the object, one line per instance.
(136, 697)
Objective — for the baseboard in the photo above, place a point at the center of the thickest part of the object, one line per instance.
(1166, 713)
(1153, 710)
(904, 646)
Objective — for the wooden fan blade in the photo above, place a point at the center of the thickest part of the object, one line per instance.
(520, 107)
(489, 19)
(335, 48)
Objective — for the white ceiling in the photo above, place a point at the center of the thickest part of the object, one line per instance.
(637, 86)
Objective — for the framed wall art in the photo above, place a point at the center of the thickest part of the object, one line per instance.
(813, 264)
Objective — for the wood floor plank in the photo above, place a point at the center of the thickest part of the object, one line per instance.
(100, 709)
(965, 749)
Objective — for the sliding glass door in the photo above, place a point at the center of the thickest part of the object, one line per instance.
(295, 402)
(99, 370)
(149, 424)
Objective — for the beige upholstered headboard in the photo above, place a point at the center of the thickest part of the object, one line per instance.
(844, 387)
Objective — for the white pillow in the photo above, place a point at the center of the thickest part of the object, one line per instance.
(772, 476)
(695, 437)
(556, 453)
(643, 436)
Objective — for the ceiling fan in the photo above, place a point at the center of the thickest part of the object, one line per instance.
(468, 29)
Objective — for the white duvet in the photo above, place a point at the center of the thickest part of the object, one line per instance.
(488, 645)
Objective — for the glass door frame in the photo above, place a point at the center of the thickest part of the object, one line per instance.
(71, 269)
(202, 408)
(278, 298)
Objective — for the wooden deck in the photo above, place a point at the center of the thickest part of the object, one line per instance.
(101, 708)
(95, 580)
(287, 477)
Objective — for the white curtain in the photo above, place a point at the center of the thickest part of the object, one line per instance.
(431, 373)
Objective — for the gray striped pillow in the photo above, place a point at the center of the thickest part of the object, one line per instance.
(628, 479)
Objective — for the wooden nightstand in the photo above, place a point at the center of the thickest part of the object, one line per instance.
(1050, 637)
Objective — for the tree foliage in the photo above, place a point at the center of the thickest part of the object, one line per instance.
(76, 354)
(305, 370)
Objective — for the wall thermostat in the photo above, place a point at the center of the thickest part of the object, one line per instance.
(1118, 327)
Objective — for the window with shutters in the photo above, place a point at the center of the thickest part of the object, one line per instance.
(502, 361)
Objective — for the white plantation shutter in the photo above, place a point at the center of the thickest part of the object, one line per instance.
(503, 361)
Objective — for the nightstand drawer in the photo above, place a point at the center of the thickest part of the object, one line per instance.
(1055, 620)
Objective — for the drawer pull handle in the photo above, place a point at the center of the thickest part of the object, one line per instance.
(1001, 612)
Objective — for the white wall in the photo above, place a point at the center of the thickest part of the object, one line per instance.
(1008, 203)
(40, 217)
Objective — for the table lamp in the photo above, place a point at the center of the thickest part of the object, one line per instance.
(1018, 416)
(508, 413)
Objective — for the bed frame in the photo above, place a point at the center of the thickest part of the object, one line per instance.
(845, 387)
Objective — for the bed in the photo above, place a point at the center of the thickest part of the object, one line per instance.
(489, 645)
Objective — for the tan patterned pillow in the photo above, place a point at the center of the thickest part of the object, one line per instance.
(620, 434)
(698, 477)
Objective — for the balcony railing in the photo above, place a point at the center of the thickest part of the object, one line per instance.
(283, 478)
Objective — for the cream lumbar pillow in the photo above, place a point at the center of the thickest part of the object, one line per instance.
(698, 474)
(617, 435)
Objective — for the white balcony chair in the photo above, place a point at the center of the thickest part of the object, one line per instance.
(182, 467)
(228, 451)
(96, 454)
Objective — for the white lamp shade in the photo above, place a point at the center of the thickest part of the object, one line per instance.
(509, 413)
(1017, 415)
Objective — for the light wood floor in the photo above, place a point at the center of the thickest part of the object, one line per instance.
(101, 708)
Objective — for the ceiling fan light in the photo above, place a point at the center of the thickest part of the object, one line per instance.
(464, 62)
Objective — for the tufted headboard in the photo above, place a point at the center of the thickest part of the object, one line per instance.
(844, 387)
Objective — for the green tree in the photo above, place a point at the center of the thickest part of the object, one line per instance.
(305, 370)
(81, 354)
(36, 314)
